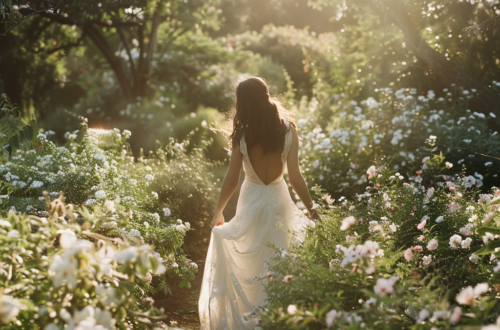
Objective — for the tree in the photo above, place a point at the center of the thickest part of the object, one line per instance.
(126, 32)
(442, 51)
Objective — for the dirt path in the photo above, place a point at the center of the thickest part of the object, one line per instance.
(182, 305)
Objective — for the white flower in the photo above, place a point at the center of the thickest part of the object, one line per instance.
(456, 315)
(155, 194)
(110, 205)
(63, 270)
(440, 219)
(14, 234)
(67, 239)
(467, 295)
(156, 216)
(439, 315)
(448, 165)
(9, 308)
(370, 302)
(100, 194)
(4, 223)
(347, 223)
(423, 315)
(455, 241)
(149, 177)
(474, 258)
(133, 182)
(426, 260)
(36, 184)
(371, 172)
(384, 286)
(126, 133)
(331, 317)
(292, 309)
(432, 245)
(466, 243)
(167, 212)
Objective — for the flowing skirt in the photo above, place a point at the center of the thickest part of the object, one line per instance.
(239, 255)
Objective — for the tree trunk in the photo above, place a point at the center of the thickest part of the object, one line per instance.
(487, 99)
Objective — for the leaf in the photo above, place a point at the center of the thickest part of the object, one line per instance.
(484, 230)
(488, 248)
(183, 283)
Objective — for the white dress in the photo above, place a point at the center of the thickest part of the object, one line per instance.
(238, 254)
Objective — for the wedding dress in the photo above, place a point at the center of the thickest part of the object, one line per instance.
(238, 255)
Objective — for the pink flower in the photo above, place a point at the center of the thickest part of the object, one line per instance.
(280, 310)
(417, 248)
(269, 274)
(452, 188)
(456, 316)
(347, 223)
(408, 255)
(422, 225)
(371, 172)
(430, 192)
(433, 244)
(414, 207)
(385, 286)
(287, 278)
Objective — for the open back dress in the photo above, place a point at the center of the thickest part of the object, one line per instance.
(239, 256)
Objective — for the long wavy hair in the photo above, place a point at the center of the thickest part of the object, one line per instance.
(262, 118)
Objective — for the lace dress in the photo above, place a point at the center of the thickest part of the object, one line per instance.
(238, 254)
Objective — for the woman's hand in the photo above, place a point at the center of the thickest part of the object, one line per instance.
(218, 220)
(314, 215)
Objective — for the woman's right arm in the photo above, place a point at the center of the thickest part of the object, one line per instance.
(295, 177)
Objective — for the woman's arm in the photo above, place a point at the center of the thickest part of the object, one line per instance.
(229, 184)
(295, 177)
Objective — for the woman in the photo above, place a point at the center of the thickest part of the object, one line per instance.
(265, 141)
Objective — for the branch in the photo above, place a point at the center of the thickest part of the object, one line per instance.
(153, 39)
(68, 45)
(125, 44)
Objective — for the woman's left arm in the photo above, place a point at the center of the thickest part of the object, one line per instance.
(229, 184)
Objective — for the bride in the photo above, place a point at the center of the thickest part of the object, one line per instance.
(265, 141)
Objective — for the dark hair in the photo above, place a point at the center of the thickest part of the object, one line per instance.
(262, 118)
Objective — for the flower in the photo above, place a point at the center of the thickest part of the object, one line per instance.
(448, 165)
(467, 295)
(384, 286)
(155, 194)
(100, 194)
(456, 315)
(347, 223)
(36, 184)
(408, 254)
(63, 270)
(331, 317)
(110, 205)
(371, 172)
(287, 278)
(432, 245)
(292, 309)
(474, 258)
(440, 219)
(455, 241)
(67, 238)
(466, 243)
(9, 308)
(14, 234)
(149, 177)
(167, 212)
(426, 260)
(423, 315)
(421, 225)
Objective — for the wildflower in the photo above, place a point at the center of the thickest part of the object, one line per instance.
(417, 248)
(433, 244)
(423, 315)
(287, 278)
(439, 315)
(156, 216)
(448, 165)
(149, 177)
(467, 295)
(488, 236)
(67, 239)
(466, 243)
(384, 286)
(167, 212)
(110, 205)
(455, 241)
(408, 254)
(9, 308)
(475, 259)
(155, 194)
(36, 184)
(14, 234)
(426, 260)
(440, 219)
(331, 317)
(421, 225)
(100, 194)
(456, 316)
(63, 271)
(347, 223)
(371, 172)
(430, 192)
(292, 309)
(370, 302)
